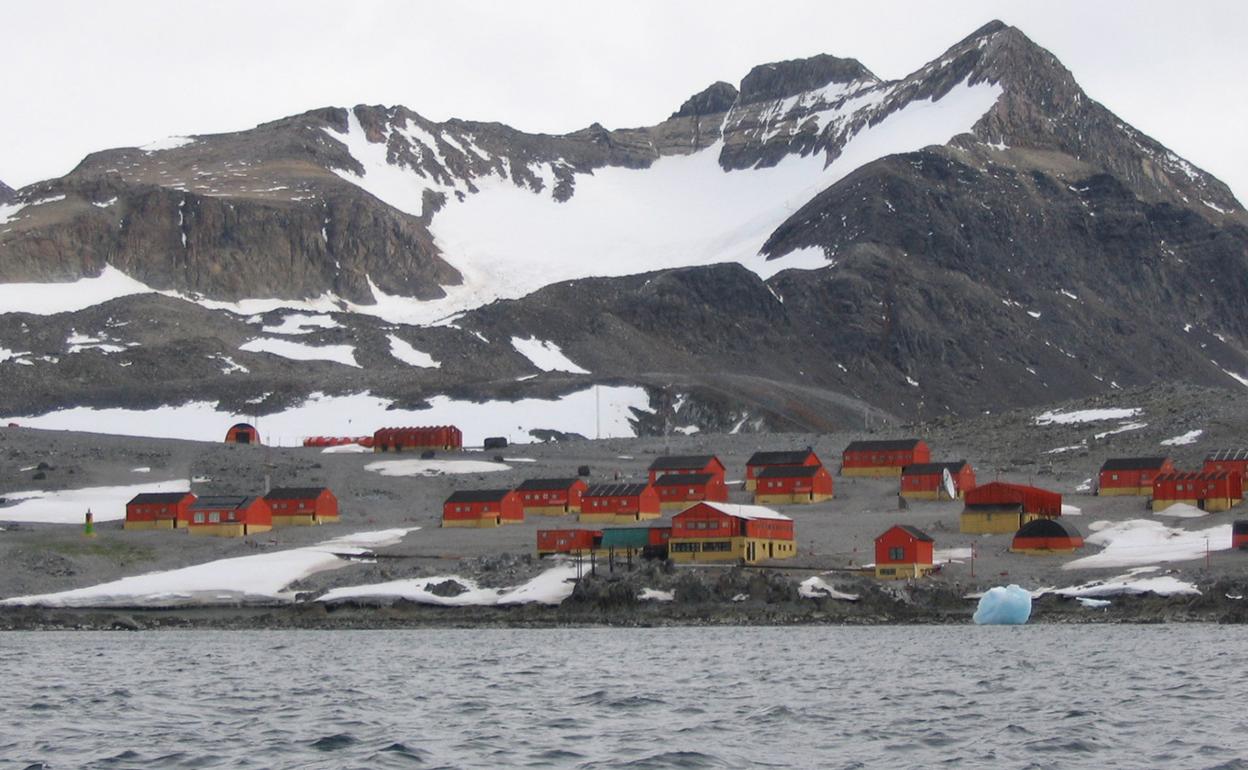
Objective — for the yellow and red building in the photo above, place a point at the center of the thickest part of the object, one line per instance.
(551, 497)
(723, 532)
(619, 503)
(158, 510)
(1002, 508)
(482, 508)
(760, 460)
(792, 484)
(1131, 475)
(926, 481)
(1208, 490)
(686, 464)
(229, 516)
(903, 552)
(678, 491)
(883, 458)
(302, 506)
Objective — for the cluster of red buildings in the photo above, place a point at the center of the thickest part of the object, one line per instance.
(1217, 486)
(232, 515)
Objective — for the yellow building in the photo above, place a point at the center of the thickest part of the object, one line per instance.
(723, 532)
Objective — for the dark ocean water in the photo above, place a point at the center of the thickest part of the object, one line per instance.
(896, 697)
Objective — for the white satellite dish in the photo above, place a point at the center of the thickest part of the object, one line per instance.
(951, 489)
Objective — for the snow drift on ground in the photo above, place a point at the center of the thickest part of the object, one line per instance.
(1084, 415)
(950, 555)
(1181, 511)
(545, 355)
(363, 413)
(1130, 583)
(1143, 541)
(403, 351)
(818, 588)
(260, 578)
(551, 587)
(1003, 606)
(300, 351)
(1183, 439)
(68, 506)
(432, 467)
(302, 323)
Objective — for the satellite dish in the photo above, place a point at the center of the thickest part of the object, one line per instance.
(951, 489)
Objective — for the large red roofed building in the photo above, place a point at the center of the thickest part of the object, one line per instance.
(1131, 475)
(883, 458)
(302, 506)
(1207, 490)
(619, 503)
(687, 464)
(418, 439)
(482, 508)
(229, 516)
(903, 552)
(723, 532)
(1002, 508)
(1046, 536)
(678, 491)
(158, 510)
(551, 497)
(926, 481)
(760, 460)
(792, 484)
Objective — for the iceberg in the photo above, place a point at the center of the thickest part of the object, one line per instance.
(1008, 606)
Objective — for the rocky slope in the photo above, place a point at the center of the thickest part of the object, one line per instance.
(985, 236)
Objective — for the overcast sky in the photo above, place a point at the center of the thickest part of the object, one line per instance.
(82, 76)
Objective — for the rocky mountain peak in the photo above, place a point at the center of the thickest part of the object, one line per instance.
(715, 98)
(6, 193)
(780, 80)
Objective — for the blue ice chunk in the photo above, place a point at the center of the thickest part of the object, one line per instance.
(1008, 606)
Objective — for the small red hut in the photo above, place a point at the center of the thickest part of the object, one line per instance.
(1207, 490)
(926, 481)
(687, 464)
(229, 516)
(619, 503)
(760, 460)
(883, 458)
(418, 439)
(302, 506)
(794, 484)
(903, 552)
(551, 497)
(242, 433)
(158, 510)
(1046, 536)
(1131, 475)
(482, 508)
(573, 542)
(677, 491)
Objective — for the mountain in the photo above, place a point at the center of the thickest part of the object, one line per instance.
(805, 248)
(6, 193)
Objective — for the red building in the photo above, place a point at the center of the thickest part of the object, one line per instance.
(551, 497)
(926, 481)
(903, 552)
(883, 458)
(686, 464)
(793, 484)
(721, 532)
(617, 503)
(1001, 508)
(1046, 536)
(242, 433)
(573, 542)
(302, 506)
(418, 439)
(761, 460)
(229, 516)
(482, 508)
(1207, 490)
(1239, 534)
(678, 491)
(1131, 475)
(159, 510)
(1235, 460)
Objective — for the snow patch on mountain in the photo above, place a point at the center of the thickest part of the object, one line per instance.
(299, 351)
(403, 351)
(545, 355)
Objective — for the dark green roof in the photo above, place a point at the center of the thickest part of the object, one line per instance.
(626, 537)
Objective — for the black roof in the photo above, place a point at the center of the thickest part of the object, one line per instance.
(795, 457)
(477, 495)
(680, 462)
(145, 498)
(546, 484)
(222, 501)
(926, 469)
(1229, 454)
(887, 445)
(915, 532)
(1133, 463)
(615, 490)
(680, 479)
(788, 471)
(242, 425)
(1239, 527)
(1048, 528)
(294, 493)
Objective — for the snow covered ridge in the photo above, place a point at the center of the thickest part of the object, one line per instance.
(1085, 415)
(257, 579)
(606, 412)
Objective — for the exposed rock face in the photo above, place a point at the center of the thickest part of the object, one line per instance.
(717, 98)
(6, 193)
(768, 82)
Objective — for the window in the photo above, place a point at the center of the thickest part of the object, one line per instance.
(888, 571)
(896, 554)
(686, 547)
(214, 517)
(199, 518)
(720, 545)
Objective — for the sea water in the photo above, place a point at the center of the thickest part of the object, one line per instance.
(1031, 696)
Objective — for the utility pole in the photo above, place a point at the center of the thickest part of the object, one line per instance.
(972, 559)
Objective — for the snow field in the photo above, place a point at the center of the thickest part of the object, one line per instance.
(1084, 415)
(433, 467)
(545, 355)
(300, 351)
(68, 506)
(551, 587)
(402, 350)
(1138, 542)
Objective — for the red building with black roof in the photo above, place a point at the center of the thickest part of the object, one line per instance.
(551, 497)
(760, 460)
(686, 464)
(159, 510)
(678, 491)
(903, 552)
(1207, 490)
(229, 515)
(1131, 475)
(883, 458)
(1046, 536)
(482, 508)
(302, 506)
(793, 484)
(418, 439)
(926, 481)
(619, 503)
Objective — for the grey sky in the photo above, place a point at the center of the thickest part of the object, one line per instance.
(84, 76)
